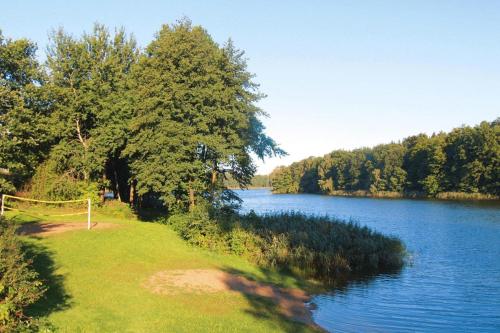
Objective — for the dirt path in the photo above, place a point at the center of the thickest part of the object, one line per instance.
(46, 229)
(291, 302)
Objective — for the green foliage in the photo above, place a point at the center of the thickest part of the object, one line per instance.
(258, 181)
(282, 181)
(195, 119)
(424, 162)
(476, 163)
(116, 209)
(167, 125)
(170, 125)
(313, 247)
(50, 184)
(24, 127)
(20, 285)
(90, 84)
(430, 185)
(465, 160)
(299, 177)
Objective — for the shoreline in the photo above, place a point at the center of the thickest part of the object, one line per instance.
(443, 196)
(251, 188)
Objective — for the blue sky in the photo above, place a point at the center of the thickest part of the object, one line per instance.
(338, 74)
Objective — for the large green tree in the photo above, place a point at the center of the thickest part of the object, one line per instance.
(195, 119)
(473, 158)
(90, 83)
(24, 110)
(424, 162)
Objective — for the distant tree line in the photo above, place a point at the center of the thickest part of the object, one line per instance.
(258, 181)
(466, 160)
(165, 125)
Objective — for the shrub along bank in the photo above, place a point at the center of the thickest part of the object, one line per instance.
(20, 285)
(311, 247)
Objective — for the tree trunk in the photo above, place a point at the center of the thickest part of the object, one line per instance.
(191, 199)
(85, 146)
(213, 181)
(103, 190)
(117, 184)
(214, 177)
(132, 193)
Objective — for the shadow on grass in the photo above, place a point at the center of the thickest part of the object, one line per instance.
(335, 252)
(286, 308)
(150, 215)
(55, 298)
(289, 309)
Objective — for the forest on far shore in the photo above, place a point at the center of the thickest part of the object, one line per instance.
(258, 181)
(464, 163)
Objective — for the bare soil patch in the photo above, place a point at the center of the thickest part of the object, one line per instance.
(291, 302)
(46, 229)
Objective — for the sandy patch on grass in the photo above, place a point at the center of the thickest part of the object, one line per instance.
(46, 229)
(291, 302)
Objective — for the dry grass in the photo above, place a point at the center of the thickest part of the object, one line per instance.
(291, 301)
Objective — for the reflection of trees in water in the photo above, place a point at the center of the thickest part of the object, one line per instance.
(361, 280)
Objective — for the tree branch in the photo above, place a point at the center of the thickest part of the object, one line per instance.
(78, 131)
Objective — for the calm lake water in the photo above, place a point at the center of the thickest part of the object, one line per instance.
(451, 285)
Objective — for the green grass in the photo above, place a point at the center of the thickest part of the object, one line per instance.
(95, 278)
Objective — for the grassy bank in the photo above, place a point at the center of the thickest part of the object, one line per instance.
(96, 277)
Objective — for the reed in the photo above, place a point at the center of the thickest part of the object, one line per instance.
(309, 246)
(415, 195)
(465, 196)
(362, 193)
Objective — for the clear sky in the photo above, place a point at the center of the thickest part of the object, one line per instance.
(338, 74)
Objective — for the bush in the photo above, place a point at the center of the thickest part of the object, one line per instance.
(116, 209)
(313, 247)
(48, 184)
(19, 283)
(198, 228)
(6, 186)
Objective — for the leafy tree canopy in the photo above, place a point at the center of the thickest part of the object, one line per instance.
(196, 120)
(25, 134)
(464, 160)
(165, 125)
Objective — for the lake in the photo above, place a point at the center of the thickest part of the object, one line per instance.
(451, 284)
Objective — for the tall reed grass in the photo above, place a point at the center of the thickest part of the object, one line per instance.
(312, 247)
(465, 196)
(415, 195)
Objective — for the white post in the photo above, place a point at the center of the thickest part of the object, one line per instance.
(88, 214)
(3, 205)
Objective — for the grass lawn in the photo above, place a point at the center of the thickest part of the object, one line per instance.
(95, 283)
